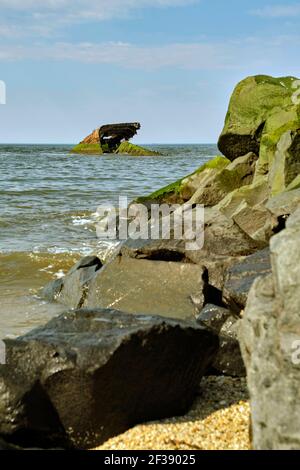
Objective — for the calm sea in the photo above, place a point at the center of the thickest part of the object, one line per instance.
(47, 201)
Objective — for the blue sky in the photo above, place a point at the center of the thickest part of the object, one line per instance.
(72, 65)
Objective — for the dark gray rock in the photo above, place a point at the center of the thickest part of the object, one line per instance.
(270, 343)
(241, 276)
(228, 360)
(169, 289)
(27, 417)
(155, 250)
(213, 317)
(71, 290)
(101, 372)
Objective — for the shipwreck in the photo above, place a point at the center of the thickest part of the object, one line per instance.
(113, 138)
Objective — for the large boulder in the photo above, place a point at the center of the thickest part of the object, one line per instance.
(27, 417)
(264, 118)
(253, 101)
(269, 338)
(169, 289)
(92, 374)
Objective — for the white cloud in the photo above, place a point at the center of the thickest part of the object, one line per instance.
(8, 31)
(238, 55)
(278, 11)
(20, 18)
(72, 10)
(123, 54)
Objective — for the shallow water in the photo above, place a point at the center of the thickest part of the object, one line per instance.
(47, 201)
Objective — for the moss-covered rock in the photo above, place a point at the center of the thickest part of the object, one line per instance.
(88, 149)
(233, 176)
(127, 148)
(264, 117)
(253, 101)
(280, 136)
(182, 190)
(295, 184)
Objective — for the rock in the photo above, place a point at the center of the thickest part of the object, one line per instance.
(255, 194)
(183, 189)
(223, 237)
(169, 289)
(218, 185)
(257, 222)
(269, 337)
(279, 149)
(202, 178)
(295, 184)
(102, 372)
(284, 203)
(156, 250)
(246, 207)
(126, 148)
(27, 417)
(240, 277)
(175, 250)
(228, 360)
(52, 290)
(253, 101)
(87, 149)
(72, 289)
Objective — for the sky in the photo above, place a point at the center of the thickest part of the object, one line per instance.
(72, 65)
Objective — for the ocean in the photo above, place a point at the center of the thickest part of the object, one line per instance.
(48, 199)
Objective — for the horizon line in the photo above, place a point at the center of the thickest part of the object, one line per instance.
(142, 143)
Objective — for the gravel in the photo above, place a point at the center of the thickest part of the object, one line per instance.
(218, 420)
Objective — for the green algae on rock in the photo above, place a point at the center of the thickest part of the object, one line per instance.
(182, 189)
(127, 148)
(88, 149)
(264, 117)
(253, 101)
(233, 176)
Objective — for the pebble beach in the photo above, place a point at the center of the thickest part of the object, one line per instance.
(218, 420)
